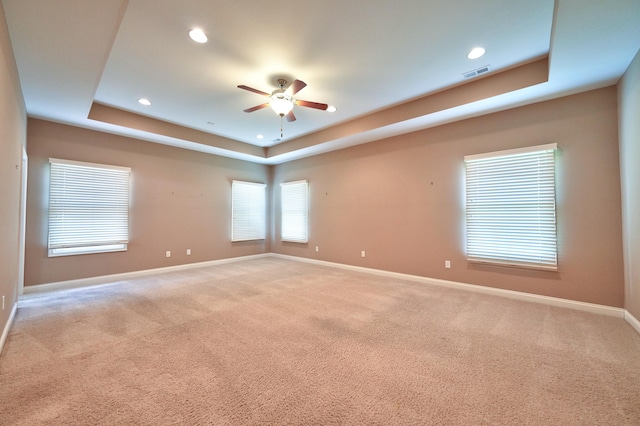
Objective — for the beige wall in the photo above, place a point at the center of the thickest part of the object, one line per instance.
(12, 139)
(629, 105)
(402, 199)
(179, 199)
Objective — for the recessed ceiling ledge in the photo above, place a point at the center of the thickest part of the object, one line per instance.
(480, 88)
(509, 80)
(118, 117)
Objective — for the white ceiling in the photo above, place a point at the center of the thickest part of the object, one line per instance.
(362, 56)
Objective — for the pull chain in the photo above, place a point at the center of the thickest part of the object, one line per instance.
(281, 128)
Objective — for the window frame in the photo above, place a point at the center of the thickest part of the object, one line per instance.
(96, 224)
(294, 211)
(510, 210)
(248, 225)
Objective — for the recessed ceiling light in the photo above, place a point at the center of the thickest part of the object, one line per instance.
(476, 52)
(198, 35)
(331, 108)
(144, 101)
(260, 137)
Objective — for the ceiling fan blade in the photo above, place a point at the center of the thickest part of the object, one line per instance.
(309, 104)
(257, 107)
(251, 89)
(290, 116)
(296, 86)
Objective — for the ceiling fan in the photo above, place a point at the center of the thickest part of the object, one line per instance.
(282, 100)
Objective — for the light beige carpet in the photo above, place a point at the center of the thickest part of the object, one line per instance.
(274, 341)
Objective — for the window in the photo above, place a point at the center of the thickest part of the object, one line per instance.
(511, 209)
(88, 208)
(295, 211)
(248, 211)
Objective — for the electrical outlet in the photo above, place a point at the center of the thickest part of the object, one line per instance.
(188, 252)
(362, 254)
(167, 253)
(447, 264)
(317, 249)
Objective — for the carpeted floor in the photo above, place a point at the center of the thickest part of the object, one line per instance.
(274, 341)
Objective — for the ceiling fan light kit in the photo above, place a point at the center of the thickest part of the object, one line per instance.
(198, 35)
(281, 103)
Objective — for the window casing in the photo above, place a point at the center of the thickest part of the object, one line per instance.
(294, 210)
(511, 209)
(88, 208)
(248, 211)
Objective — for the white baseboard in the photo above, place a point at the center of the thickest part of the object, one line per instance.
(518, 295)
(535, 298)
(7, 326)
(104, 279)
(633, 321)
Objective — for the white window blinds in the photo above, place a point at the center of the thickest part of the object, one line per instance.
(248, 211)
(88, 208)
(295, 211)
(511, 209)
